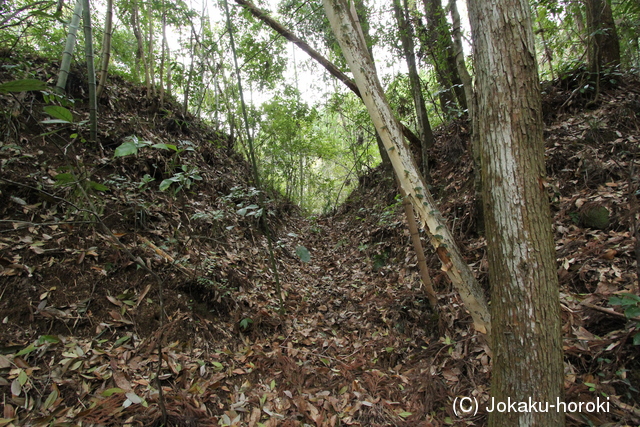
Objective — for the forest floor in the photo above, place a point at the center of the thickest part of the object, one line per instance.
(354, 341)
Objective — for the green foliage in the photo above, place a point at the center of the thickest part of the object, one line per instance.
(29, 26)
(287, 145)
(84, 193)
(627, 14)
(131, 146)
(631, 305)
(251, 210)
(389, 212)
(262, 65)
(560, 29)
(59, 114)
(311, 154)
(182, 179)
(311, 24)
(630, 302)
(24, 85)
(245, 323)
(303, 253)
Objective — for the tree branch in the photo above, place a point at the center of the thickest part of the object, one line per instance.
(328, 65)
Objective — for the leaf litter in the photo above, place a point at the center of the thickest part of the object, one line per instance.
(357, 344)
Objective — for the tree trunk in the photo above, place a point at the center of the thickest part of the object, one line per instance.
(91, 73)
(106, 48)
(187, 88)
(69, 47)
(548, 52)
(412, 225)
(150, 54)
(458, 55)
(440, 45)
(164, 52)
(140, 56)
(603, 45)
(468, 93)
(424, 127)
(525, 307)
(345, 26)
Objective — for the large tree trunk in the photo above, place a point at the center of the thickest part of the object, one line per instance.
(525, 309)
(603, 45)
(424, 127)
(344, 23)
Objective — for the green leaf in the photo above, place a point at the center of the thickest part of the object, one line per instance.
(53, 396)
(22, 377)
(244, 323)
(126, 148)
(615, 300)
(166, 183)
(97, 186)
(632, 312)
(26, 350)
(122, 340)
(165, 146)
(111, 391)
(59, 113)
(303, 253)
(24, 85)
(405, 414)
(636, 339)
(631, 296)
(48, 338)
(65, 178)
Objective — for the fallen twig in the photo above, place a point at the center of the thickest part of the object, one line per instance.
(609, 311)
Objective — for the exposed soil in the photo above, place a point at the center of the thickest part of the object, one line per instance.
(355, 342)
